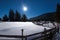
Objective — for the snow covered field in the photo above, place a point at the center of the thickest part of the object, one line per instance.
(14, 28)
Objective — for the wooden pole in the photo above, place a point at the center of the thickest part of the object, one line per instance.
(55, 30)
(25, 38)
(45, 38)
(44, 29)
(22, 33)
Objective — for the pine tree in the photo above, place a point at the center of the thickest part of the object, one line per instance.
(24, 18)
(58, 13)
(17, 16)
(11, 15)
(0, 19)
(5, 18)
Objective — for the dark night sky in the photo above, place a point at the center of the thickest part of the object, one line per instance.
(35, 7)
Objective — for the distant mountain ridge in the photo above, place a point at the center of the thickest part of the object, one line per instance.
(45, 17)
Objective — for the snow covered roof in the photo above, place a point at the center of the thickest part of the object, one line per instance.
(14, 28)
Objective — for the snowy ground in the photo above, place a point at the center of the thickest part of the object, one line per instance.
(46, 24)
(14, 28)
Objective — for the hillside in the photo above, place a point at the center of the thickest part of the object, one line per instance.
(45, 17)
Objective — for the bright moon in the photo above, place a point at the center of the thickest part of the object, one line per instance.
(25, 8)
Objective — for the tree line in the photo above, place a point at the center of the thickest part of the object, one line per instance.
(14, 16)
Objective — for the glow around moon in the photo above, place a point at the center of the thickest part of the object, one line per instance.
(24, 8)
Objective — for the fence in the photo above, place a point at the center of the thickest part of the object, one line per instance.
(45, 35)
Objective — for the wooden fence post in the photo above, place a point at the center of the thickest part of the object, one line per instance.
(45, 38)
(26, 38)
(22, 33)
(44, 30)
(58, 29)
(55, 30)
